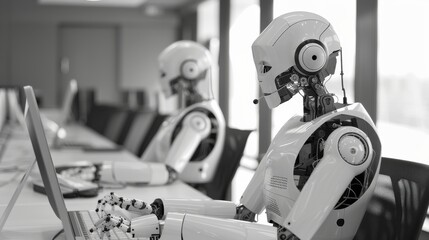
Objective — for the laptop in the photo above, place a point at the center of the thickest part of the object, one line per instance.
(56, 121)
(76, 223)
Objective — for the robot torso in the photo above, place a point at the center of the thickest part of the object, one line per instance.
(295, 152)
(203, 164)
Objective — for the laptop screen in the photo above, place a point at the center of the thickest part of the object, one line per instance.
(44, 160)
(14, 108)
(68, 102)
(3, 107)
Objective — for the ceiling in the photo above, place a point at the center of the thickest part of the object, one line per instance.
(164, 4)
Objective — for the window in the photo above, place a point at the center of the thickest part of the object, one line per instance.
(208, 35)
(403, 102)
(243, 82)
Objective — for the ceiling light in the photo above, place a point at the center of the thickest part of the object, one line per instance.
(152, 10)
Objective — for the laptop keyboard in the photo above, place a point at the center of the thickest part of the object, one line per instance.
(87, 220)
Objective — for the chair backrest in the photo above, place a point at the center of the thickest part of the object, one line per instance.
(154, 127)
(111, 121)
(398, 207)
(139, 128)
(235, 142)
(83, 103)
(119, 125)
(98, 117)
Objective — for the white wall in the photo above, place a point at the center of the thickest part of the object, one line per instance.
(29, 38)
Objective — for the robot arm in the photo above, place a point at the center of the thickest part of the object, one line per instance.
(348, 152)
(217, 219)
(160, 207)
(150, 173)
(252, 198)
(195, 127)
(179, 226)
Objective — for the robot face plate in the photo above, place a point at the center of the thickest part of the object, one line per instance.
(300, 40)
(185, 61)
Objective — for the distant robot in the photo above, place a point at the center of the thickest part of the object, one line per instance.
(189, 144)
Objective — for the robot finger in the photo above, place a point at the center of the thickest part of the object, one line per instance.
(99, 207)
(100, 221)
(108, 234)
(110, 199)
(136, 205)
(121, 223)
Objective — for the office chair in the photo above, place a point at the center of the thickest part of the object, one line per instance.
(139, 128)
(98, 116)
(235, 142)
(153, 129)
(110, 121)
(119, 125)
(399, 205)
(134, 98)
(83, 103)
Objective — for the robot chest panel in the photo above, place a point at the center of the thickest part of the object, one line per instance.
(280, 183)
(280, 190)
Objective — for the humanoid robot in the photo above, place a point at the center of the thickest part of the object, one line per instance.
(318, 174)
(189, 144)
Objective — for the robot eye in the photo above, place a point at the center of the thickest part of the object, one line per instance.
(265, 68)
(163, 74)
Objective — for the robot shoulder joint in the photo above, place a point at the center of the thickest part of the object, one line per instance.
(198, 121)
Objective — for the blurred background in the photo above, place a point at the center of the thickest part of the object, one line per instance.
(111, 48)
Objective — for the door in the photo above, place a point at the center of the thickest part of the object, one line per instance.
(88, 54)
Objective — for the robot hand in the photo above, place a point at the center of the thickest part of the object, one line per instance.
(245, 214)
(87, 172)
(132, 205)
(109, 222)
(141, 227)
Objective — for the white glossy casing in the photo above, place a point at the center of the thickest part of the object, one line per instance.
(309, 212)
(159, 150)
(325, 186)
(213, 208)
(195, 127)
(140, 172)
(194, 227)
(277, 44)
(145, 226)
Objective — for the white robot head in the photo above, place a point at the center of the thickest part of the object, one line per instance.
(294, 49)
(186, 64)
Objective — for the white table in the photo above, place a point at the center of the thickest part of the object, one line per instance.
(32, 216)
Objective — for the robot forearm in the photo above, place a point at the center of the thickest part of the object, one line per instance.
(160, 207)
(179, 226)
(213, 208)
(137, 172)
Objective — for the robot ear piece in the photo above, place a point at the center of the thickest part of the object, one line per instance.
(189, 69)
(310, 56)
